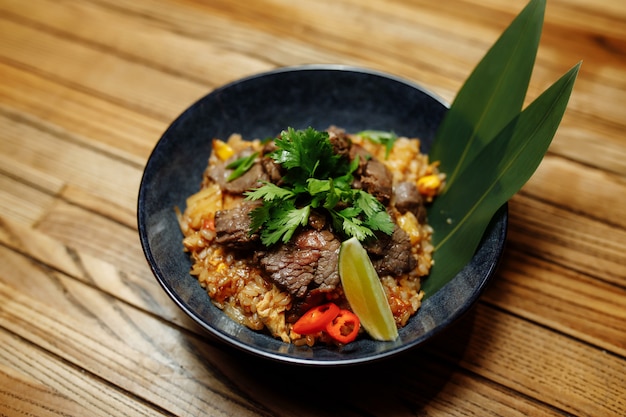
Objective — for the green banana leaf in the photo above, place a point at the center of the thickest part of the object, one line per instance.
(492, 95)
(488, 147)
(460, 218)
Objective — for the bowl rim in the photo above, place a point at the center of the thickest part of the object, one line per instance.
(500, 219)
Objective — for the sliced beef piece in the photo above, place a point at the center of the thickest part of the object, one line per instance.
(216, 173)
(317, 220)
(271, 167)
(217, 170)
(408, 198)
(249, 180)
(327, 273)
(372, 175)
(253, 178)
(340, 141)
(377, 180)
(270, 146)
(273, 170)
(232, 227)
(308, 260)
(376, 247)
(392, 256)
(364, 156)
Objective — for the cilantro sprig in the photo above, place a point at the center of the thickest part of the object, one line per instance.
(316, 178)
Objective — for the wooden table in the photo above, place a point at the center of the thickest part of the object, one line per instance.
(87, 87)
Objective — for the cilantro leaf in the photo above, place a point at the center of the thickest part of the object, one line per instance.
(269, 192)
(368, 203)
(351, 226)
(306, 154)
(283, 221)
(350, 212)
(259, 216)
(380, 221)
(332, 197)
(315, 186)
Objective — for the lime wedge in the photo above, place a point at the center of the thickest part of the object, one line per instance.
(365, 292)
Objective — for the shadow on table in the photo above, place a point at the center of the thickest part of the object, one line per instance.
(404, 383)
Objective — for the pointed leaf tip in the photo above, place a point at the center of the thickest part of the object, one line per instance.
(500, 160)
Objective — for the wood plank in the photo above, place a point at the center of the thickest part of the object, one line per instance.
(606, 18)
(394, 36)
(124, 355)
(586, 190)
(605, 117)
(93, 121)
(415, 383)
(58, 156)
(560, 236)
(132, 84)
(35, 383)
(22, 396)
(569, 302)
(86, 199)
(574, 377)
(280, 38)
(21, 170)
(97, 236)
(591, 143)
(143, 292)
(21, 202)
(137, 38)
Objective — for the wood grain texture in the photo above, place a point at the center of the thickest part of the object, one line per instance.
(86, 90)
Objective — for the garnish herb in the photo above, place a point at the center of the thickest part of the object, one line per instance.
(316, 178)
(380, 137)
(241, 166)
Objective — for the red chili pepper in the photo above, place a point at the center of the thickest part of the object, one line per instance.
(316, 319)
(344, 328)
(209, 223)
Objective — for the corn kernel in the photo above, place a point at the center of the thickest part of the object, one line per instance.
(408, 222)
(222, 149)
(429, 185)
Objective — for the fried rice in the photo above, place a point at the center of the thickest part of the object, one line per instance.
(237, 284)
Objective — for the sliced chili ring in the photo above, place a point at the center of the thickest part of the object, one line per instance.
(209, 223)
(316, 319)
(344, 328)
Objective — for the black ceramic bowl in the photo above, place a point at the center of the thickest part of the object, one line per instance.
(261, 106)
